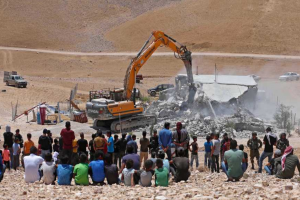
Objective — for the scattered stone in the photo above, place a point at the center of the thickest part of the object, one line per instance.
(288, 187)
(258, 186)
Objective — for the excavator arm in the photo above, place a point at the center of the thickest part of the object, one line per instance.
(145, 53)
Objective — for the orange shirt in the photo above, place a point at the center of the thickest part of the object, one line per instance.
(27, 145)
(6, 155)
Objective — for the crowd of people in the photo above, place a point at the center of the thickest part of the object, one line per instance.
(114, 160)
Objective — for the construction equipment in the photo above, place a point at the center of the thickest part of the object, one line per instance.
(125, 116)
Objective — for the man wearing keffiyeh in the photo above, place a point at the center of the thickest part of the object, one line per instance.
(288, 163)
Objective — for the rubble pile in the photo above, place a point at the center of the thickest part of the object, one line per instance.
(199, 119)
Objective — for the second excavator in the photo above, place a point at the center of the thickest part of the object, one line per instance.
(124, 116)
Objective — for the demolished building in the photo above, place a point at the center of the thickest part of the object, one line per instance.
(221, 104)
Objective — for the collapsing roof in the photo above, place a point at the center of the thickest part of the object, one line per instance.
(223, 93)
(225, 88)
(223, 79)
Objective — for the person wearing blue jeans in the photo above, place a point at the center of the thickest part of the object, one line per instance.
(165, 140)
(207, 156)
(270, 167)
(269, 140)
(194, 152)
(244, 164)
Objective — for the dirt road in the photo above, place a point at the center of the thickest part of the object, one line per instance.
(210, 54)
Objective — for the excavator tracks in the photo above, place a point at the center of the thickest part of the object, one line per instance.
(127, 124)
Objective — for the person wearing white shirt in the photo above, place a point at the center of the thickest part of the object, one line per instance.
(32, 164)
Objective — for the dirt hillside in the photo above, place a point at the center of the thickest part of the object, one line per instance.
(258, 26)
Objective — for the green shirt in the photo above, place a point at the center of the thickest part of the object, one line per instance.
(81, 170)
(234, 160)
(161, 177)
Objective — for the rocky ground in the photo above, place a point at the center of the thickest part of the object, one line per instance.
(201, 185)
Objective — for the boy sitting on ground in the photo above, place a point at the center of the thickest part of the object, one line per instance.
(48, 170)
(161, 174)
(145, 176)
(127, 173)
(166, 164)
(110, 170)
(81, 171)
(96, 168)
(64, 171)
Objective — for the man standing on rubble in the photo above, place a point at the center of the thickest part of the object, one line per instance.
(270, 140)
(67, 137)
(165, 139)
(181, 138)
(254, 144)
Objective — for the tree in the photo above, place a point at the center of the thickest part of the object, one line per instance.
(282, 116)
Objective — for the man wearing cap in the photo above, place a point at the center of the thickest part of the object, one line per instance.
(254, 144)
(67, 137)
(44, 144)
(270, 167)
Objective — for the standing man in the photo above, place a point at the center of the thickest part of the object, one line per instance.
(133, 143)
(122, 147)
(269, 140)
(232, 162)
(20, 138)
(215, 154)
(82, 145)
(67, 137)
(223, 141)
(110, 145)
(254, 144)
(165, 139)
(154, 145)
(181, 138)
(9, 140)
(283, 142)
(27, 145)
(91, 147)
(44, 143)
(49, 134)
(144, 142)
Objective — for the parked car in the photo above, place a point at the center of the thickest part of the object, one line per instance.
(289, 76)
(255, 77)
(159, 88)
(12, 78)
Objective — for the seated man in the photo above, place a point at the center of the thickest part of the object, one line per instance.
(181, 166)
(233, 159)
(32, 164)
(96, 168)
(270, 167)
(110, 170)
(64, 171)
(132, 156)
(288, 164)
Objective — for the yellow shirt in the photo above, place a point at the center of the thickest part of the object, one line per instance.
(74, 145)
(27, 145)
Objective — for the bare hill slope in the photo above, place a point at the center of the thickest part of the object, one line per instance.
(258, 26)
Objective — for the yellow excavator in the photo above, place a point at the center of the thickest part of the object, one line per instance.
(124, 116)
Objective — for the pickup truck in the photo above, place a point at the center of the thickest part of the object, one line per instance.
(159, 88)
(12, 78)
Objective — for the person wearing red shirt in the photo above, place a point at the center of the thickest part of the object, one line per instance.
(67, 136)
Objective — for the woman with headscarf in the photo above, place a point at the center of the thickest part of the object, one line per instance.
(9, 140)
(181, 138)
(288, 162)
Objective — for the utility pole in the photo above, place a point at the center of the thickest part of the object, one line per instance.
(215, 72)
